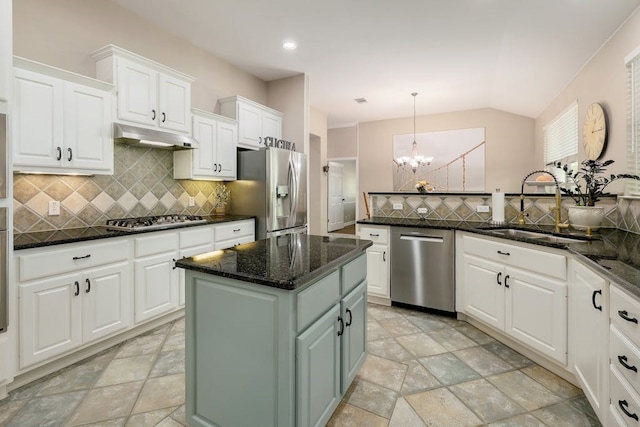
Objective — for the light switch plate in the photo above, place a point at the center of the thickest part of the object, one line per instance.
(482, 208)
(422, 210)
(54, 207)
(397, 206)
(192, 201)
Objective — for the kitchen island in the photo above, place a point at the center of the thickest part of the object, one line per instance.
(275, 330)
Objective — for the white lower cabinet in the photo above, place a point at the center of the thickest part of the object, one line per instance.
(378, 261)
(589, 335)
(234, 233)
(156, 280)
(58, 314)
(504, 288)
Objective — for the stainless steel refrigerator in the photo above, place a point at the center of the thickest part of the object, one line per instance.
(271, 185)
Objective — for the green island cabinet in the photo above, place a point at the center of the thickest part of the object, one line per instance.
(258, 355)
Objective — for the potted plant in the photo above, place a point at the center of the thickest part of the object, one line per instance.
(221, 196)
(587, 185)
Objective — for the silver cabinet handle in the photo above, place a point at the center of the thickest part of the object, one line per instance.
(430, 239)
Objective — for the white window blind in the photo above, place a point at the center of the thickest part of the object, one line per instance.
(633, 121)
(561, 137)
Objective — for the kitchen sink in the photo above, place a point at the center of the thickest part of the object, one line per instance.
(543, 237)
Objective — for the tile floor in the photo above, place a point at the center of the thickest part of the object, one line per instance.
(422, 369)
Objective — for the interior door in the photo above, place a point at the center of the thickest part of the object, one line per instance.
(336, 196)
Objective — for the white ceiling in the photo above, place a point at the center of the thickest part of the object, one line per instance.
(512, 55)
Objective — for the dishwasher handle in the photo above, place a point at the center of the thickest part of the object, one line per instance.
(429, 239)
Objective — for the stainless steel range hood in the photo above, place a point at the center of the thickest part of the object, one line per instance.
(153, 138)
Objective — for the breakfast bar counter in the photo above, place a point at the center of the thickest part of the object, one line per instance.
(275, 330)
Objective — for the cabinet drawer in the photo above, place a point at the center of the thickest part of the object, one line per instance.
(354, 273)
(624, 402)
(233, 230)
(58, 260)
(156, 244)
(625, 356)
(196, 236)
(317, 299)
(555, 265)
(625, 313)
(375, 234)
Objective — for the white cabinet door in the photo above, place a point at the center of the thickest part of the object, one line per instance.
(156, 286)
(589, 332)
(88, 142)
(271, 125)
(174, 98)
(105, 305)
(378, 270)
(485, 297)
(137, 93)
(50, 318)
(37, 123)
(204, 131)
(226, 157)
(536, 312)
(249, 125)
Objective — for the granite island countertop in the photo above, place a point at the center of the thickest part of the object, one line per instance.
(612, 252)
(81, 234)
(286, 262)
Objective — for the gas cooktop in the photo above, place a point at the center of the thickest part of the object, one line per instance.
(145, 223)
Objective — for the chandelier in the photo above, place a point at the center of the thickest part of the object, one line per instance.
(415, 160)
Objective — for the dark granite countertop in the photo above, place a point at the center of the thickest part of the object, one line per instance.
(286, 262)
(612, 252)
(81, 234)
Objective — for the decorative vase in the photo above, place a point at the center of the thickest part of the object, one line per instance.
(581, 217)
(219, 211)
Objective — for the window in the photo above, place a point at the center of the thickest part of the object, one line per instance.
(561, 141)
(633, 121)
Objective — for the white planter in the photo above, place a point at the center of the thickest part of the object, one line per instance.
(581, 217)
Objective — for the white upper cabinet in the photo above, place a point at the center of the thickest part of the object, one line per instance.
(61, 122)
(255, 121)
(149, 93)
(6, 48)
(215, 159)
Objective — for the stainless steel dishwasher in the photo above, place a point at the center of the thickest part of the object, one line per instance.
(423, 267)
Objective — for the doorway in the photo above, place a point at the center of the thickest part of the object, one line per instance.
(341, 195)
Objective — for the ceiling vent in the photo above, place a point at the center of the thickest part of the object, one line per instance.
(361, 100)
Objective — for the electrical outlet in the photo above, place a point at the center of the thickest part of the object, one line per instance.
(422, 210)
(482, 208)
(192, 201)
(54, 207)
(397, 206)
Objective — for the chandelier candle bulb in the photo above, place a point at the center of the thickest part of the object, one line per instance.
(497, 207)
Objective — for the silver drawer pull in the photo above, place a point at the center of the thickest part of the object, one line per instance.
(75, 258)
(430, 239)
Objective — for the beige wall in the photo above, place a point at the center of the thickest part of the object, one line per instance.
(602, 80)
(317, 179)
(63, 33)
(289, 96)
(508, 150)
(342, 142)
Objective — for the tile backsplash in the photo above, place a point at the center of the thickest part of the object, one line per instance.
(462, 207)
(142, 184)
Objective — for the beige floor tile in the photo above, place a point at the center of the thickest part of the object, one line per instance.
(162, 392)
(421, 345)
(551, 381)
(524, 390)
(168, 422)
(389, 349)
(126, 370)
(398, 326)
(383, 372)
(8, 409)
(440, 407)
(118, 422)
(375, 331)
(486, 401)
(148, 419)
(352, 416)
(106, 403)
(483, 361)
(372, 397)
(418, 378)
(142, 345)
(451, 339)
(404, 416)
(380, 312)
(525, 420)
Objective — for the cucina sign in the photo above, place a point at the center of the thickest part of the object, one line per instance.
(270, 141)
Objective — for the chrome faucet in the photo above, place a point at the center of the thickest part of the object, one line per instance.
(557, 208)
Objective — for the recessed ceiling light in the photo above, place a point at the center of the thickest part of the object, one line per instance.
(289, 45)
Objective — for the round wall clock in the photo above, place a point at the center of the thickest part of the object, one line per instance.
(594, 131)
